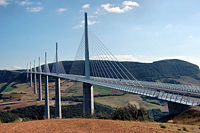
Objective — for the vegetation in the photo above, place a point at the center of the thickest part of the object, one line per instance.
(130, 112)
(9, 76)
(170, 81)
(190, 116)
(1, 85)
(10, 87)
(6, 117)
(162, 126)
(143, 71)
(101, 89)
(156, 114)
(185, 129)
(153, 100)
(69, 111)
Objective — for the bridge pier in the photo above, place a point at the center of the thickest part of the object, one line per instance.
(31, 79)
(175, 108)
(35, 83)
(58, 99)
(40, 81)
(47, 110)
(88, 99)
(40, 87)
(35, 80)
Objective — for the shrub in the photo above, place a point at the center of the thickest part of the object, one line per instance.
(101, 115)
(162, 126)
(6, 108)
(6, 117)
(185, 129)
(130, 112)
(27, 119)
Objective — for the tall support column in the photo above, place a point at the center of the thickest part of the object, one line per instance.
(58, 99)
(40, 82)
(31, 76)
(175, 108)
(88, 98)
(87, 61)
(47, 110)
(27, 71)
(35, 80)
(57, 89)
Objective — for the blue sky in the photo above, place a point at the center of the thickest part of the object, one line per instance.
(139, 30)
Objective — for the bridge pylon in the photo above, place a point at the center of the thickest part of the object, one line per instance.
(27, 73)
(31, 76)
(47, 110)
(35, 79)
(40, 81)
(57, 89)
(88, 98)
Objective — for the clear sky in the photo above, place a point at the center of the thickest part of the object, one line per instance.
(139, 30)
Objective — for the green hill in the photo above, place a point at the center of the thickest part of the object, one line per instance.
(142, 71)
(146, 71)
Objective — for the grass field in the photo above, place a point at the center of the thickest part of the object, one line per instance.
(75, 89)
(120, 101)
(9, 88)
(95, 125)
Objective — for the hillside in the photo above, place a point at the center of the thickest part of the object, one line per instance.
(10, 76)
(142, 71)
(16, 92)
(93, 125)
(190, 116)
(145, 71)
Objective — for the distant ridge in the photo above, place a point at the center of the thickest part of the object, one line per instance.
(157, 70)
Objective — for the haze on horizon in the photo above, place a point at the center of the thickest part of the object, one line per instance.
(133, 30)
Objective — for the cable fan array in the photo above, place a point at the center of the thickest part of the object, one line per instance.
(104, 66)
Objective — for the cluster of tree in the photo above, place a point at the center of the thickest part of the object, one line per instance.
(170, 81)
(130, 112)
(156, 114)
(37, 112)
(6, 117)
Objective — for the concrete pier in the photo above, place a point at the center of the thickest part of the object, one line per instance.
(31, 77)
(88, 99)
(57, 89)
(47, 109)
(58, 99)
(27, 73)
(175, 108)
(40, 87)
(40, 81)
(35, 84)
(35, 80)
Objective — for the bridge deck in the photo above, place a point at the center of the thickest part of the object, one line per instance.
(183, 94)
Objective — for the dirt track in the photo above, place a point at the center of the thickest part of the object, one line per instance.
(84, 125)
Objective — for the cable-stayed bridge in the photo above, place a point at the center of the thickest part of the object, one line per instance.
(102, 68)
